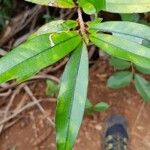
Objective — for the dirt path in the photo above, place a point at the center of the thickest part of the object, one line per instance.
(33, 133)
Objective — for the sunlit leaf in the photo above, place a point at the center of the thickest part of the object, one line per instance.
(54, 3)
(72, 98)
(30, 57)
(92, 7)
(123, 49)
(127, 6)
(55, 26)
(129, 30)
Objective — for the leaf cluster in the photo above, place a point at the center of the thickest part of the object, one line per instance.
(132, 74)
(99, 107)
(125, 40)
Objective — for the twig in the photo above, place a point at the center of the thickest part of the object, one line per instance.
(10, 104)
(2, 52)
(22, 102)
(61, 64)
(5, 94)
(43, 77)
(11, 124)
(20, 23)
(50, 77)
(9, 86)
(91, 52)
(42, 138)
(29, 92)
(138, 116)
(19, 111)
(81, 22)
(82, 26)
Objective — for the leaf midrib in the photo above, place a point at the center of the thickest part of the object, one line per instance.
(38, 54)
(119, 47)
(70, 111)
(120, 33)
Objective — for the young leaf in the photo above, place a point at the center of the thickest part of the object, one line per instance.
(72, 98)
(129, 30)
(119, 64)
(120, 79)
(36, 54)
(52, 88)
(89, 107)
(101, 107)
(92, 7)
(143, 87)
(88, 104)
(54, 3)
(142, 70)
(123, 49)
(127, 6)
(55, 26)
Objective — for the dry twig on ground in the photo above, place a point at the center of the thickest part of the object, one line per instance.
(29, 92)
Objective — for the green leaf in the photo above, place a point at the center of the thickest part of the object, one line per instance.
(92, 24)
(89, 107)
(88, 104)
(100, 107)
(129, 30)
(119, 64)
(55, 26)
(92, 7)
(130, 17)
(127, 6)
(54, 3)
(142, 70)
(123, 49)
(35, 54)
(143, 87)
(72, 98)
(146, 43)
(52, 88)
(120, 79)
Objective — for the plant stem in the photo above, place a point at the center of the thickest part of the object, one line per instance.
(82, 26)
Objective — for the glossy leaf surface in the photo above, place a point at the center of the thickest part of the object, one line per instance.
(127, 6)
(54, 3)
(92, 6)
(72, 98)
(55, 26)
(123, 49)
(35, 54)
(129, 30)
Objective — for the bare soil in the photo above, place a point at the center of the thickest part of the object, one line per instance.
(32, 132)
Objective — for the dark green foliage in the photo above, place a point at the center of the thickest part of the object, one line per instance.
(5, 11)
